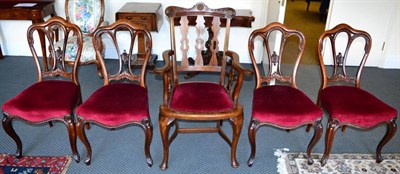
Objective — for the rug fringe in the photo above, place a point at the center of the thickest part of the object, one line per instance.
(282, 155)
(66, 165)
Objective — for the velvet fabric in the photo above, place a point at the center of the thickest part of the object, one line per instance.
(200, 97)
(116, 104)
(44, 100)
(284, 106)
(355, 106)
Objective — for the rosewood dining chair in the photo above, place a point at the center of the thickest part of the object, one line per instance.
(122, 100)
(277, 101)
(341, 95)
(57, 91)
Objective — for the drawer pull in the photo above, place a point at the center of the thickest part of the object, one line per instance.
(143, 17)
(129, 17)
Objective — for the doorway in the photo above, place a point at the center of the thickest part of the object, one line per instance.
(309, 23)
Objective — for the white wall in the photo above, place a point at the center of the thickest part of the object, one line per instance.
(391, 57)
(378, 18)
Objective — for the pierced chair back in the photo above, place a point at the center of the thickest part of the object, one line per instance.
(188, 44)
(341, 95)
(57, 92)
(125, 51)
(341, 41)
(274, 73)
(59, 66)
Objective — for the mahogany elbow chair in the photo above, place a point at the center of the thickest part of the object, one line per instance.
(56, 93)
(341, 96)
(122, 100)
(202, 100)
(277, 101)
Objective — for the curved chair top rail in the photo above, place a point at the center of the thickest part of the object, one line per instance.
(200, 9)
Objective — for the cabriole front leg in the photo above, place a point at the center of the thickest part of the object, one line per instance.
(253, 127)
(329, 136)
(237, 124)
(391, 128)
(164, 131)
(72, 136)
(252, 132)
(80, 129)
(7, 126)
(317, 135)
(148, 131)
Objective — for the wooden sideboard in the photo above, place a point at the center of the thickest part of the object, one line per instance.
(35, 13)
(243, 18)
(149, 15)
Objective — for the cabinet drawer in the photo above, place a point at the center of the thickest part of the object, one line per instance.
(142, 19)
(145, 14)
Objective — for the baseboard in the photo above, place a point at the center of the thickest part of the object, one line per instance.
(390, 64)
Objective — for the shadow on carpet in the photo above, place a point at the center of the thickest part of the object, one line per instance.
(9, 164)
(293, 163)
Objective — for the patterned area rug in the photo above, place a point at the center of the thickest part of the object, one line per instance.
(290, 163)
(34, 164)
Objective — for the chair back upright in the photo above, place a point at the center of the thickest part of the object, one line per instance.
(190, 42)
(276, 35)
(123, 35)
(336, 45)
(54, 27)
(87, 14)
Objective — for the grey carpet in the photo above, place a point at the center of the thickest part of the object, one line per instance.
(121, 150)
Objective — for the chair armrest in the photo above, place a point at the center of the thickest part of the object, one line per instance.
(167, 62)
(236, 64)
(165, 71)
(238, 78)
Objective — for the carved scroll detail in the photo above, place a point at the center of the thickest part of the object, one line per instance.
(275, 58)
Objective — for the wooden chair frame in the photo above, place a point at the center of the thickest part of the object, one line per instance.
(340, 76)
(169, 117)
(273, 76)
(58, 69)
(125, 71)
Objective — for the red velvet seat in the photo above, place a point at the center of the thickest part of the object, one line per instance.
(355, 106)
(115, 105)
(122, 100)
(277, 101)
(283, 106)
(57, 92)
(37, 103)
(345, 103)
(209, 97)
